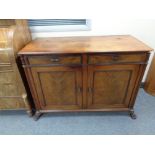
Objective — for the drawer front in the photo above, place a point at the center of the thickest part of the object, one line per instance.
(55, 60)
(7, 77)
(11, 103)
(8, 83)
(4, 58)
(117, 58)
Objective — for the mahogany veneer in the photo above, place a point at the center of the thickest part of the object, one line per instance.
(85, 73)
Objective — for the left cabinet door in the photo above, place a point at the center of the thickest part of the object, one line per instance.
(58, 88)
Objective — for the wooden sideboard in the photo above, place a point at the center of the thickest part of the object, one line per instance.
(14, 35)
(149, 86)
(85, 73)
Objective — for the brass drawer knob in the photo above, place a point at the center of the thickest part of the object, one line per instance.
(79, 89)
(115, 57)
(55, 59)
(90, 90)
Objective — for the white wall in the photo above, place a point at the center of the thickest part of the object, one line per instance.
(143, 29)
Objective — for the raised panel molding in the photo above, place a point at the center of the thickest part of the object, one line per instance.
(58, 88)
(111, 86)
(107, 83)
(59, 83)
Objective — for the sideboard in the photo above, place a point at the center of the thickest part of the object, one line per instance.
(95, 73)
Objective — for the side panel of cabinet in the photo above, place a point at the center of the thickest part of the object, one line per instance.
(58, 88)
(111, 86)
(149, 86)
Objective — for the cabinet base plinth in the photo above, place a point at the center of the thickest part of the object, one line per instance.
(38, 114)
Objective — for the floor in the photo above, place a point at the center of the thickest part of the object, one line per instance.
(90, 123)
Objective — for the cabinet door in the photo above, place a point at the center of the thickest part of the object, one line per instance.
(111, 86)
(58, 88)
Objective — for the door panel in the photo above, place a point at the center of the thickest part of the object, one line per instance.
(8, 84)
(58, 87)
(111, 86)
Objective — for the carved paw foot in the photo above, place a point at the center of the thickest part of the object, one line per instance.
(37, 115)
(132, 114)
(30, 113)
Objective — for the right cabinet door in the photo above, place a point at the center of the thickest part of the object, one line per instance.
(111, 86)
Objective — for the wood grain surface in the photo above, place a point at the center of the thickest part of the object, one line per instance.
(14, 35)
(122, 43)
(150, 80)
(85, 73)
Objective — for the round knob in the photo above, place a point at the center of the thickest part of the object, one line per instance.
(115, 57)
(55, 59)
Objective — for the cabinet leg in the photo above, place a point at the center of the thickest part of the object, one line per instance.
(30, 113)
(37, 115)
(132, 114)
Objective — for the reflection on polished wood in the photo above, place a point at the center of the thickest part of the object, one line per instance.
(120, 43)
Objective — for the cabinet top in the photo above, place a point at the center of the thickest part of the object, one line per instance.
(85, 44)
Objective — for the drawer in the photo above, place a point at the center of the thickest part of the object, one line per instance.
(4, 53)
(4, 58)
(116, 58)
(11, 103)
(55, 60)
(7, 77)
(8, 83)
